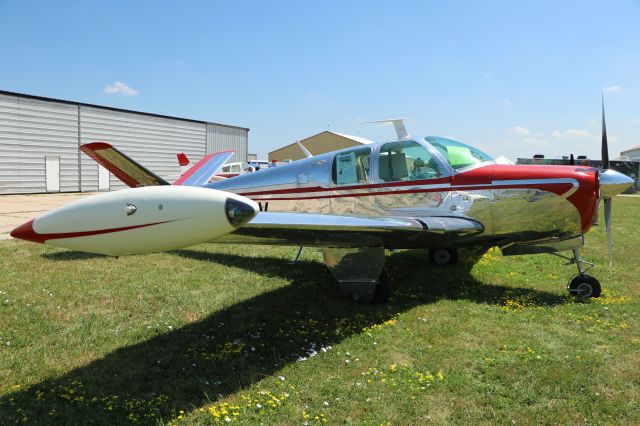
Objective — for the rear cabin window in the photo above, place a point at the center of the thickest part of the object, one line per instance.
(407, 160)
(352, 166)
(226, 169)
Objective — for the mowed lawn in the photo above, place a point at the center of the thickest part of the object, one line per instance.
(223, 333)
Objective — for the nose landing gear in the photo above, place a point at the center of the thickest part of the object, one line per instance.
(582, 285)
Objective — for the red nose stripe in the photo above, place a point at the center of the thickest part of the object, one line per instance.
(26, 232)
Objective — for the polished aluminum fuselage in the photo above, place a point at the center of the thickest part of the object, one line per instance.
(534, 209)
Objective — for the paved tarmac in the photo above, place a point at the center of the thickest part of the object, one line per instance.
(17, 209)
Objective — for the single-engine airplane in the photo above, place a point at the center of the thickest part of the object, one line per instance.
(410, 193)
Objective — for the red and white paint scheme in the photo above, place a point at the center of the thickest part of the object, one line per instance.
(141, 220)
(410, 193)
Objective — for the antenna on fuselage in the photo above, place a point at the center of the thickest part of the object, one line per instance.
(398, 124)
(305, 150)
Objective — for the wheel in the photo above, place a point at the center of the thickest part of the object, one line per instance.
(585, 286)
(443, 256)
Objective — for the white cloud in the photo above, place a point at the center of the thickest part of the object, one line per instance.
(636, 120)
(572, 134)
(120, 87)
(518, 131)
(612, 89)
(507, 103)
(535, 141)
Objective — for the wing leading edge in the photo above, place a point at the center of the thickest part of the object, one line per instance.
(321, 230)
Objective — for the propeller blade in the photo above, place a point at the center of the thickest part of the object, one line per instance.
(605, 146)
(572, 160)
(607, 222)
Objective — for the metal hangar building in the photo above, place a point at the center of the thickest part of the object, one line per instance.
(40, 137)
(317, 144)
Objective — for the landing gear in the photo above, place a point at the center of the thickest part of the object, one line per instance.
(443, 256)
(582, 285)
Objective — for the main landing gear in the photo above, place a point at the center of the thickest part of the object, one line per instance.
(582, 285)
(443, 256)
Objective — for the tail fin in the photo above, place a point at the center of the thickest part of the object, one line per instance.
(123, 167)
(184, 162)
(205, 169)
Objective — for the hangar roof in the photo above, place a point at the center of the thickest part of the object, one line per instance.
(42, 98)
(320, 143)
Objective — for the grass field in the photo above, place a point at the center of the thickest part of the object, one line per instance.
(216, 334)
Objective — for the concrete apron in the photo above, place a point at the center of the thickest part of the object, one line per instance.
(18, 209)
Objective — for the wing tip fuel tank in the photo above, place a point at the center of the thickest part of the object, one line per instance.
(140, 220)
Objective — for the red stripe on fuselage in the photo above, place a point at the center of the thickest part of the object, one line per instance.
(435, 181)
(556, 188)
(26, 232)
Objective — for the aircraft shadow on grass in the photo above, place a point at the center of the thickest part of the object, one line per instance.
(72, 255)
(240, 344)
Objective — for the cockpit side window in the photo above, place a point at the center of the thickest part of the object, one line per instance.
(352, 166)
(457, 154)
(406, 160)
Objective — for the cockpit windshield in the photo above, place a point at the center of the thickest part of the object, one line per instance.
(457, 154)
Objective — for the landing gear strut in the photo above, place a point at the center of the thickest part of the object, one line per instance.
(582, 285)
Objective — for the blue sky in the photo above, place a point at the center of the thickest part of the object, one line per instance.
(513, 78)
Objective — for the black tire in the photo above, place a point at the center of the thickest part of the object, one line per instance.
(585, 286)
(443, 256)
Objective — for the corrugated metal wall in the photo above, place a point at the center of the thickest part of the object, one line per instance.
(30, 130)
(151, 141)
(220, 138)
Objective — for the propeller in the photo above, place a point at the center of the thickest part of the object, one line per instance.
(607, 200)
(607, 222)
(605, 145)
(572, 160)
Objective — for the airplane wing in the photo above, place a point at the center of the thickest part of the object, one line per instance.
(321, 230)
(205, 169)
(123, 167)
